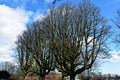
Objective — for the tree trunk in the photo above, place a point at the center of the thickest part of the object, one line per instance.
(39, 78)
(72, 77)
(43, 78)
(63, 77)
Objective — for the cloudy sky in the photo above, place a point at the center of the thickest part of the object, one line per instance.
(15, 14)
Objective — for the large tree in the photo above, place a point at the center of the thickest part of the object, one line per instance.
(34, 53)
(77, 36)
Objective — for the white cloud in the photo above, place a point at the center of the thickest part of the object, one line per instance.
(12, 23)
(115, 57)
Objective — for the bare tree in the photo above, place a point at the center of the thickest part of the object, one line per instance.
(8, 66)
(78, 35)
(34, 51)
(40, 48)
(90, 73)
(116, 21)
(25, 59)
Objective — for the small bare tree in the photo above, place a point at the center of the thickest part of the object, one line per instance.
(8, 66)
(25, 59)
(116, 21)
(40, 48)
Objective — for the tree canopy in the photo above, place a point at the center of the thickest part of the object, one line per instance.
(70, 36)
(78, 36)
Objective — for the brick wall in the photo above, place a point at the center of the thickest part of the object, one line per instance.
(51, 76)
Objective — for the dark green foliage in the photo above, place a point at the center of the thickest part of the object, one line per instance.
(4, 74)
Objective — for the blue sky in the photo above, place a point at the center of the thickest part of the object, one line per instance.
(15, 14)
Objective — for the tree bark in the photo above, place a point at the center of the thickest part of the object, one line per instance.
(63, 77)
(39, 78)
(43, 78)
(72, 77)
